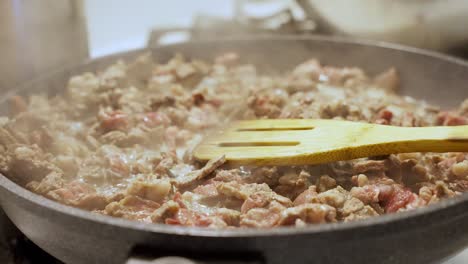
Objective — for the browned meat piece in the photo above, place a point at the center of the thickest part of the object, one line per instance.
(310, 68)
(351, 206)
(191, 177)
(207, 190)
(384, 117)
(52, 181)
(451, 119)
(27, 121)
(201, 117)
(107, 164)
(80, 195)
(184, 70)
(343, 76)
(263, 217)
(175, 212)
(23, 126)
(162, 101)
(154, 119)
(198, 98)
(369, 165)
(241, 191)
(459, 186)
(292, 184)
(155, 191)
(308, 196)
(165, 164)
(268, 175)
(27, 163)
(115, 120)
(132, 207)
(180, 137)
(442, 189)
(428, 194)
(188, 74)
(167, 210)
(230, 217)
(362, 213)
(460, 169)
(42, 138)
(334, 109)
(372, 193)
(335, 197)
(325, 182)
(6, 138)
(262, 199)
(388, 80)
(117, 138)
(92, 201)
(267, 105)
(391, 197)
(187, 217)
(408, 120)
(230, 175)
(443, 167)
(114, 76)
(360, 180)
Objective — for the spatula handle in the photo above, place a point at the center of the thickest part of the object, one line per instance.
(388, 139)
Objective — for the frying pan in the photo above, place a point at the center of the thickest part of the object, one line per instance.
(426, 235)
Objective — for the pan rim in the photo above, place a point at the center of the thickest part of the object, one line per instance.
(39, 200)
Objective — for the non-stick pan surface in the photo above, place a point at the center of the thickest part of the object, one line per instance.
(426, 235)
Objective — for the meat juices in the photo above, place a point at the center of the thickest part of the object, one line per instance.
(119, 142)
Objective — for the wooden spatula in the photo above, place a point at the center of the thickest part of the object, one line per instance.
(312, 141)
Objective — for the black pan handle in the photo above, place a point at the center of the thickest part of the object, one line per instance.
(144, 255)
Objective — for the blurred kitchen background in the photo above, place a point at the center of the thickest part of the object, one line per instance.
(37, 36)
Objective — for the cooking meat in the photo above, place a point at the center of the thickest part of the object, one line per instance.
(193, 176)
(79, 194)
(308, 213)
(132, 207)
(119, 142)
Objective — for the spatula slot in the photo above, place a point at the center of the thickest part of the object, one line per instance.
(257, 144)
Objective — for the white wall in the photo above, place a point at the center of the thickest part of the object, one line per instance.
(115, 25)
